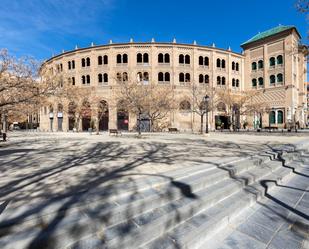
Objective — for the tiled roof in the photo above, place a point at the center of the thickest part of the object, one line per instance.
(268, 33)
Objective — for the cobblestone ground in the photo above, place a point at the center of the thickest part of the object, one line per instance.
(44, 172)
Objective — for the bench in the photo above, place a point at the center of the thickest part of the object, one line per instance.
(173, 130)
(114, 131)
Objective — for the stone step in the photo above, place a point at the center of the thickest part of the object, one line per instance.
(197, 231)
(158, 221)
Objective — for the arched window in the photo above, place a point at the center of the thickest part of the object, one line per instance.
(237, 66)
(105, 60)
(280, 78)
(181, 59)
(83, 80)
(100, 60)
(223, 63)
(167, 58)
(69, 65)
(272, 79)
(261, 81)
(260, 64)
(272, 118)
(233, 65)
(145, 58)
(279, 60)
(206, 78)
(187, 59)
(83, 62)
(201, 60)
(146, 76)
(118, 58)
(218, 80)
(167, 76)
(139, 58)
(88, 79)
(119, 77)
(125, 58)
(253, 66)
(223, 81)
(160, 76)
(254, 82)
(88, 61)
(105, 78)
(188, 77)
(206, 61)
(100, 78)
(272, 61)
(237, 83)
(218, 62)
(280, 117)
(233, 82)
(201, 78)
(185, 105)
(125, 76)
(73, 81)
(181, 77)
(139, 76)
(73, 64)
(160, 58)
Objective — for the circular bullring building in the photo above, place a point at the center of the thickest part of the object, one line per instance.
(266, 66)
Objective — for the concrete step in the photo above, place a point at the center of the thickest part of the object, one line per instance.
(197, 231)
(160, 220)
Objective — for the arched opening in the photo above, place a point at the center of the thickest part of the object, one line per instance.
(272, 61)
(280, 78)
(272, 119)
(118, 58)
(119, 77)
(280, 117)
(223, 81)
(181, 59)
(86, 115)
(105, 78)
(206, 78)
(83, 62)
(100, 78)
(73, 64)
(100, 60)
(69, 65)
(218, 80)
(88, 62)
(261, 81)
(181, 77)
(160, 76)
(83, 80)
(167, 58)
(139, 58)
(146, 77)
(160, 58)
(88, 79)
(201, 78)
(105, 60)
(71, 115)
(233, 65)
(260, 64)
(125, 76)
(187, 59)
(279, 60)
(146, 58)
(185, 105)
(139, 77)
(272, 79)
(253, 66)
(237, 83)
(125, 58)
(218, 62)
(223, 63)
(233, 83)
(237, 66)
(200, 60)
(188, 77)
(254, 82)
(206, 61)
(103, 115)
(122, 116)
(167, 77)
(60, 116)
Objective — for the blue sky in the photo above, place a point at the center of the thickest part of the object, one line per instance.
(41, 28)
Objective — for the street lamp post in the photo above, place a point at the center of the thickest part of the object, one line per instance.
(206, 99)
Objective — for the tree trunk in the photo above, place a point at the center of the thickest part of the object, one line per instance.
(202, 117)
(97, 125)
(139, 123)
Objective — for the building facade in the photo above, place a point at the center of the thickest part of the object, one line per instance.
(272, 65)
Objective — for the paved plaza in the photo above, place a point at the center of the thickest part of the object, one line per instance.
(58, 188)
